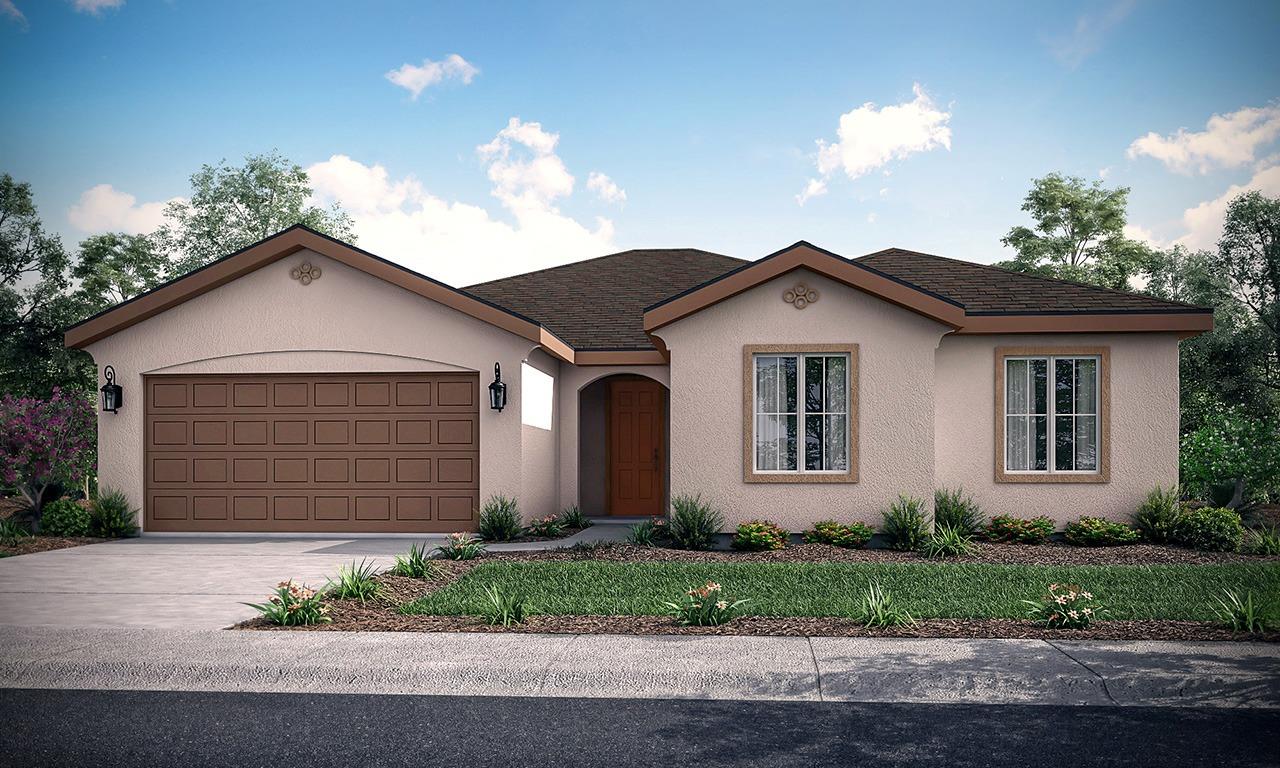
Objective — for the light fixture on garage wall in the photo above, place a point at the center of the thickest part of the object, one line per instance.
(497, 390)
(112, 393)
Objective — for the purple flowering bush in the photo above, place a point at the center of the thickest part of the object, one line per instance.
(45, 444)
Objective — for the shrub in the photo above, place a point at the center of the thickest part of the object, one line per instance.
(417, 564)
(1263, 540)
(461, 546)
(293, 605)
(760, 535)
(905, 524)
(547, 527)
(65, 517)
(1240, 615)
(574, 517)
(956, 509)
(704, 607)
(1232, 444)
(1066, 606)
(1098, 532)
(505, 608)
(500, 519)
(648, 532)
(946, 541)
(852, 536)
(879, 609)
(1216, 529)
(45, 444)
(11, 532)
(1007, 529)
(354, 582)
(112, 517)
(1158, 516)
(694, 523)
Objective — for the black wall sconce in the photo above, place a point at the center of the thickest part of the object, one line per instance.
(497, 390)
(112, 393)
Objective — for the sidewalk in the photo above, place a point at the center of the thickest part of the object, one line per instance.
(608, 666)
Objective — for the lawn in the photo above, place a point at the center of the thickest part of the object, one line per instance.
(927, 590)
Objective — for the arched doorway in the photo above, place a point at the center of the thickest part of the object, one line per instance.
(623, 446)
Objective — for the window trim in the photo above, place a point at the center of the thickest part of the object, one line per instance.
(749, 473)
(1103, 472)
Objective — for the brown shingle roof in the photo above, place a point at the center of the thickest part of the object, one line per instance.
(599, 303)
(984, 289)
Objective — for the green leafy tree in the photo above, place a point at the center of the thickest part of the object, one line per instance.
(235, 206)
(1078, 234)
(36, 302)
(1249, 260)
(115, 267)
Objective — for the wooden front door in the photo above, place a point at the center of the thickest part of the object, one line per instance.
(637, 447)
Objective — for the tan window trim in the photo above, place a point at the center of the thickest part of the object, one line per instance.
(749, 475)
(1103, 475)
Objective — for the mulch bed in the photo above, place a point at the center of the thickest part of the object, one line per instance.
(31, 544)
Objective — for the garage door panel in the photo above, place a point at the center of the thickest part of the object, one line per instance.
(326, 453)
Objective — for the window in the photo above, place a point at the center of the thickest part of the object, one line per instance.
(1052, 413)
(800, 412)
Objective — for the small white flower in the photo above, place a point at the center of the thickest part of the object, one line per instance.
(722, 604)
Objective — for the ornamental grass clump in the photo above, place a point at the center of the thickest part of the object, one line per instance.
(905, 524)
(547, 527)
(500, 519)
(417, 564)
(1157, 518)
(760, 536)
(461, 546)
(1016, 530)
(1263, 540)
(1099, 532)
(111, 516)
(704, 606)
(1213, 529)
(947, 541)
(505, 608)
(956, 509)
(879, 609)
(293, 605)
(573, 517)
(648, 533)
(354, 582)
(1240, 615)
(694, 524)
(12, 532)
(851, 536)
(1065, 606)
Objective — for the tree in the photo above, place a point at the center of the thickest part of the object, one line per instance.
(235, 206)
(1078, 235)
(1249, 259)
(35, 302)
(45, 445)
(115, 267)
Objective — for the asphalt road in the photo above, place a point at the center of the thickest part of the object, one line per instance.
(133, 728)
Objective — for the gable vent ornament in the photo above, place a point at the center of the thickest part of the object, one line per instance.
(800, 296)
(305, 273)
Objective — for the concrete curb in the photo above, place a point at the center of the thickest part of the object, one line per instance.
(617, 666)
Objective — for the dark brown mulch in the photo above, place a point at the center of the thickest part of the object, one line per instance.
(32, 544)
(1052, 553)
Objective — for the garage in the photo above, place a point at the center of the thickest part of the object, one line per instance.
(314, 453)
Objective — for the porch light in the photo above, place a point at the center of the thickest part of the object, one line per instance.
(497, 390)
(112, 394)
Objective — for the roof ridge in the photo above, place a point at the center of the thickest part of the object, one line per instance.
(994, 268)
(593, 259)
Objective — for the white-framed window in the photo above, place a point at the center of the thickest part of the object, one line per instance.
(801, 412)
(1051, 414)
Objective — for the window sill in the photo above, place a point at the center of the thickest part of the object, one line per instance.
(1051, 477)
(799, 477)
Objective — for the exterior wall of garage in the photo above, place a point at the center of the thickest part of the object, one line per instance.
(345, 321)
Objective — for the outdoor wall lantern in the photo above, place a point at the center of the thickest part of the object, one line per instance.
(112, 394)
(497, 390)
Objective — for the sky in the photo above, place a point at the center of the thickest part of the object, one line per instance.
(472, 141)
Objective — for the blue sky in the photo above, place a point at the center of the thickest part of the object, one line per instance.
(706, 118)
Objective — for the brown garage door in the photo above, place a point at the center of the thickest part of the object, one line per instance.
(380, 453)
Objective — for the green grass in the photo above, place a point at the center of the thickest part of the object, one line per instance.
(924, 590)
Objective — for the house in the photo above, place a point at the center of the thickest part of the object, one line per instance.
(305, 385)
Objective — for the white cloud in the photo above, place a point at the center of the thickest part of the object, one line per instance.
(95, 6)
(1143, 235)
(460, 243)
(1228, 141)
(7, 8)
(416, 79)
(884, 191)
(814, 188)
(605, 188)
(870, 137)
(104, 208)
(1088, 33)
(871, 217)
(1103, 173)
(1203, 223)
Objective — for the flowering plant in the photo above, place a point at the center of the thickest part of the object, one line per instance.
(293, 605)
(704, 606)
(853, 536)
(45, 443)
(757, 535)
(549, 526)
(461, 546)
(1066, 606)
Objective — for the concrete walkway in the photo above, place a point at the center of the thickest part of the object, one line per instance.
(188, 582)
(607, 666)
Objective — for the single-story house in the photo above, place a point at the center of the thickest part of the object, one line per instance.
(305, 385)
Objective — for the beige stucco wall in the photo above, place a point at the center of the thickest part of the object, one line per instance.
(896, 393)
(344, 321)
(1144, 425)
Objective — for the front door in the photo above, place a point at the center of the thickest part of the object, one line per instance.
(637, 444)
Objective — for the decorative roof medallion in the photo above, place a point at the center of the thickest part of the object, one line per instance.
(305, 273)
(800, 296)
